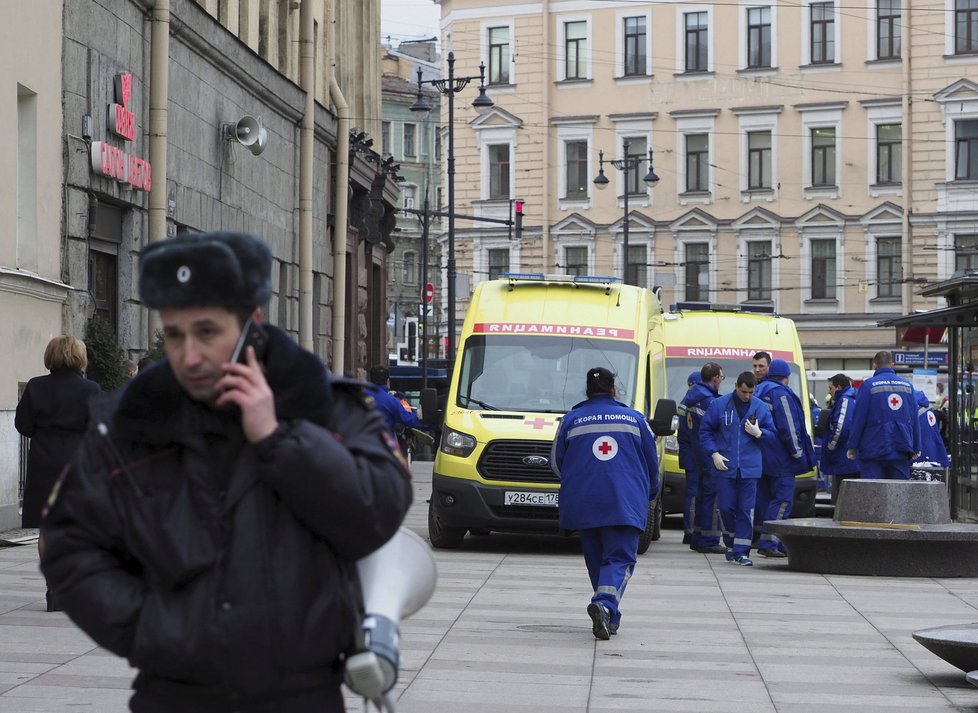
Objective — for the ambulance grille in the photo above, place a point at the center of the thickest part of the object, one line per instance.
(505, 460)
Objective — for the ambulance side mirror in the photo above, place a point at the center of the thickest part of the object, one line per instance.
(430, 413)
(661, 422)
(823, 422)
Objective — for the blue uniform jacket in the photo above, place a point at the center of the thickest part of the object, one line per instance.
(691, 412)
(722, 430)
(885, 426)
(932, 448)
(604, 454)
(393, 410)
(836, 440)
(791, 453)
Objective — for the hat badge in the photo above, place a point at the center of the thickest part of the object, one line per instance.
(183, 274)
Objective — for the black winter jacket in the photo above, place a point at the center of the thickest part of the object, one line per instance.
(234, 587)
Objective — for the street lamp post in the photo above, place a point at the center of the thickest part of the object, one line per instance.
(450, 87)
(625, 165)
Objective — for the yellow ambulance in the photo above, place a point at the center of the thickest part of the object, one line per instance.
(525, 347)
(730, 335)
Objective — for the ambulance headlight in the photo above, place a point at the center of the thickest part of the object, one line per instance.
(458, 444)
(671, 444)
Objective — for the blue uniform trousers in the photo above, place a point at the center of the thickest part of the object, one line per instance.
(609, 553)
(778, 497)
(736, 496)
(700, 513)
(885, 469)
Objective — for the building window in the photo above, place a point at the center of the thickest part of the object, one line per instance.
(575, 50)
(385, 138)
(966, 149)
(437, 142)
(696, 266)
(697, 163)
(823, 156)
(965, 26)
(889, 150)
(637, 269)
(889, 267)
(823, 269)
(758, 37)
(888, 29)
(696, 42)
(439, 198)
(634, 46)
(498, 55)
(498, 262)
(410, 140)
(498, 171)
(965, 252)
(637, 167)
(577, 173)
(759, 270)
(823, 32)
(408, 193)
(575, 261)
(758, 160)
(410, 268)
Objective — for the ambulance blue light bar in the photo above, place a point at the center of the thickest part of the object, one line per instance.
(540, 277)
(720, 307)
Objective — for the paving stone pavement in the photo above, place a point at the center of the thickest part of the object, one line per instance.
(506, 632)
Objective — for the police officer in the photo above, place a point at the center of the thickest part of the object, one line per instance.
(731, 432)
(701, 489)
(790, 454)
(885, 432)
(836, 438)
(604, 454)
(207, 528)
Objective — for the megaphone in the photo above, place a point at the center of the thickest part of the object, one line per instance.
(396, 580)
(249, 132)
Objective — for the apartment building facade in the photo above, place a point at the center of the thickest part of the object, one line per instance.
(821, 158)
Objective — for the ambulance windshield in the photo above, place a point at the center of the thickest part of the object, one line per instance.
(511, 372)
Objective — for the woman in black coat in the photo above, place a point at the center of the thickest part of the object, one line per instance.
(53, 413)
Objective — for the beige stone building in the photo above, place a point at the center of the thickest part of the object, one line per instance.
(822, 157)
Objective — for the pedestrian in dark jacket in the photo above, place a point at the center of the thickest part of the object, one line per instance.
(885, 432)
(53, 413)
(834, 463)
(209, 526)
(701, 489)
(605, 456)
(731, 432)
(788, 455)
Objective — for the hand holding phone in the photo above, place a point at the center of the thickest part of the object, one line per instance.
(252, 335)
(244, 384)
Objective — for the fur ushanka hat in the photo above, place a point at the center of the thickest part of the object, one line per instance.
(231, 270)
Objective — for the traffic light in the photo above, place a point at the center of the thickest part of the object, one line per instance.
(518, 220)
(412, 340)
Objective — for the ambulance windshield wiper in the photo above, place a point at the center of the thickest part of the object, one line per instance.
(483, 404)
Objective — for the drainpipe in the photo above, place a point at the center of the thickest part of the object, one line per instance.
(159, 91)
(307, 82)
(341, 198)
(906, 176)
(546, 266)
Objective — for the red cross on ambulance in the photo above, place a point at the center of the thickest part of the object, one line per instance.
(605, 448)
(895, 402)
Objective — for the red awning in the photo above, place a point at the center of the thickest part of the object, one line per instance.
(919, 334)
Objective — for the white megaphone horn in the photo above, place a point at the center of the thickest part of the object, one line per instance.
(396, 580)
(249, 132)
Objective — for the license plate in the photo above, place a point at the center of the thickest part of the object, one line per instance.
(522, 497)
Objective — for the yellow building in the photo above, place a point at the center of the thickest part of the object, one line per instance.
(822, 157)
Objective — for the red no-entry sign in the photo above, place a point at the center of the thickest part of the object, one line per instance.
(429, 293)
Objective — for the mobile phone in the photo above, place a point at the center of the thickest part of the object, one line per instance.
(753, 420)
(253, 335)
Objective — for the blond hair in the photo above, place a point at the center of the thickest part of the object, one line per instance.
(65, 353)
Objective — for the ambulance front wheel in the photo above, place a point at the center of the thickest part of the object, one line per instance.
(442, 536)
(653, 527)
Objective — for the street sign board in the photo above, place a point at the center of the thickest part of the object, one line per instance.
(429, 293)
(916, 358)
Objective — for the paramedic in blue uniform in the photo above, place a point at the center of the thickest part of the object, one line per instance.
(604, 454)
(834, 463)
(790, 454)
(396, 416)
(932, 448)
(701, 490)
(731, 433)
(885, 432)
